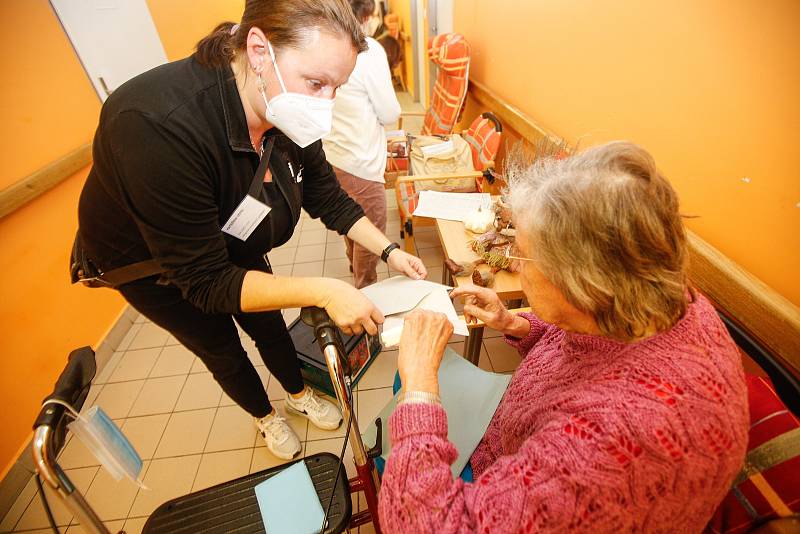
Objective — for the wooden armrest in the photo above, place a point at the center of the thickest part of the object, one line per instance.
(439, 177)
(480, 324)
(413, 113)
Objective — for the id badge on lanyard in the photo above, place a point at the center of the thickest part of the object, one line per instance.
(251, 210)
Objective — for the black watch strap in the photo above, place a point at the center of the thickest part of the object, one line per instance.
(388, 250)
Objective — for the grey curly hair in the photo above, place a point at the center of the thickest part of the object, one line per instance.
(606, 231)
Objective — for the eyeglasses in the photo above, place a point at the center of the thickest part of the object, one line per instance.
(512, 252)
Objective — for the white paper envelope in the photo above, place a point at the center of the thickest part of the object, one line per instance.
(399, 293)
(437, 300)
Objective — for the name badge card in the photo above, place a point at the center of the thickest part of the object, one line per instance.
(246, 217)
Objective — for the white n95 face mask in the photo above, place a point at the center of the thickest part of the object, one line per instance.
(304, 119)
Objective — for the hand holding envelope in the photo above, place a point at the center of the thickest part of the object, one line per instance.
(397, 296)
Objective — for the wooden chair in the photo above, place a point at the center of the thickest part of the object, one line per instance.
(483, 138)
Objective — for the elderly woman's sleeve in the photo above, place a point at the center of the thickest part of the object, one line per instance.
(533, 490)
(525, 344)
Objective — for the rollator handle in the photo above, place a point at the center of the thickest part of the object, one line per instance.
(71, 387)
(326, 332)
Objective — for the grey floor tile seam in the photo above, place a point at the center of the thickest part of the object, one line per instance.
(160, 352)
(204, 453)
(163, 431)
(183, 386)
(205, 444)
(50, 500)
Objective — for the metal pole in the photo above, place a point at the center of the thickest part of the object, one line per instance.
(60, 482)
(339, 386)
(367, 473)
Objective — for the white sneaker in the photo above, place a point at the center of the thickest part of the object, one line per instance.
(322, 413)
(279, 436)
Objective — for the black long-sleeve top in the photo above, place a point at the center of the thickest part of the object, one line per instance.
(172, 161)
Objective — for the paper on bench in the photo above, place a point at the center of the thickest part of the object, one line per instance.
(470, 397)
(450, 206)
(289, 502)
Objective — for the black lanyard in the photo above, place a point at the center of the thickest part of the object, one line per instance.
(257, 185)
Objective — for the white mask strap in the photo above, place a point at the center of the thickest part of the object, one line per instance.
(263, 88)
(275, 64)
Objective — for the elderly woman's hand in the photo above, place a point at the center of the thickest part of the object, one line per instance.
(425, 336)
(483, 304)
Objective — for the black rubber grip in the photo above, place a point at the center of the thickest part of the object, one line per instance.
(326, 332)
(71, 387)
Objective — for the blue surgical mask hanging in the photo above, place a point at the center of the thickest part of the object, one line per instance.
(106, 441)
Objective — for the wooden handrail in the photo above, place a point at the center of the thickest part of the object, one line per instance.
(765, 314)
(20, 193)
(760, 310)
(439, 177)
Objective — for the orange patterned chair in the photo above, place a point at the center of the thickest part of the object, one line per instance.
(450, 52)
(483, 138)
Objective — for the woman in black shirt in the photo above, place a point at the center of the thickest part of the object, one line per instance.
(203, 165)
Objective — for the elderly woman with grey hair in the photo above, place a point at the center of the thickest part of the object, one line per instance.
(628, 411)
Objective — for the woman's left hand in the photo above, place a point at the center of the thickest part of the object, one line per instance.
(425, 336)
(411, 266)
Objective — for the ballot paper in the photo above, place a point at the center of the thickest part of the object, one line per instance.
(470, 397)
(288, 502)
(450, 206)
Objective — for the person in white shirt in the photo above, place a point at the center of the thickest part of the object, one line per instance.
(356, 146)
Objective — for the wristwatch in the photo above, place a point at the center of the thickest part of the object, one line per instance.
(389, 248)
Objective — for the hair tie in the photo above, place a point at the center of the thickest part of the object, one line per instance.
(234, 29)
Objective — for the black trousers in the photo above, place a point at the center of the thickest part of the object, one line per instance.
(215, 340)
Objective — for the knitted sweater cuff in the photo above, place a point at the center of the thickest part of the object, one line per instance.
(417, 418)
(524, 344)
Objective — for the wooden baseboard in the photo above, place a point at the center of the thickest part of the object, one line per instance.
(17, 195)
(761, 311)
(766, 315)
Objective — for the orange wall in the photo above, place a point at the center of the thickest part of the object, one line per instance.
(43, 317)
(403, 9)
(50, 108)
(47, 104)
(710, 88)
(181, 23)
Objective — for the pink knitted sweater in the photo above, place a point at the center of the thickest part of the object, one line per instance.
(592, 435)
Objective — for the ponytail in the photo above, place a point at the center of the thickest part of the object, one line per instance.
(218, 47)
